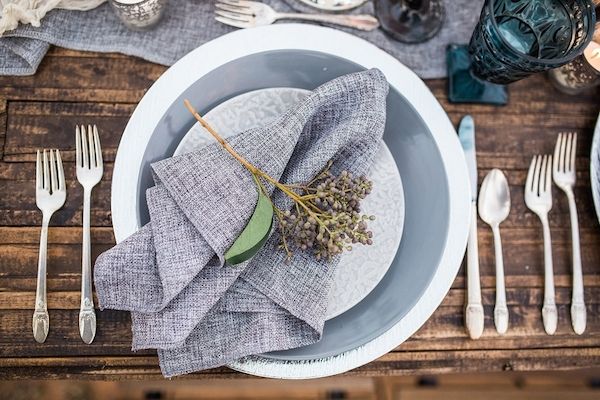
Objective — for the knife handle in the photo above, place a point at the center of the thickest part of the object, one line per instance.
(474, 316)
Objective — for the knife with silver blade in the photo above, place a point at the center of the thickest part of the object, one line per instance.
(474, 316)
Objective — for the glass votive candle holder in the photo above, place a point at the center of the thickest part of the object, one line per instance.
(580, 74)
(139, 14)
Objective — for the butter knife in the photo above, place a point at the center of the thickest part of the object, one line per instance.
(474, 316)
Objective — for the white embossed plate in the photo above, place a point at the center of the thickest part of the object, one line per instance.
(360, 270)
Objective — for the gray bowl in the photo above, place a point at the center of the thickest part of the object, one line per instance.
(416, 155)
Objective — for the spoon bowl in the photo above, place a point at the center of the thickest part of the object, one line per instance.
(494, 198)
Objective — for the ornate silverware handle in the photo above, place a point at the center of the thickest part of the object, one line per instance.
(549, 310)
(578, 311)
(362, 22)
(474, 317)
(500, 310)
(87, 316)
(41, 321)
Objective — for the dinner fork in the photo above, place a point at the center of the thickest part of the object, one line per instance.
(538, 197)
(89, 173)
(50, 195)
(249, 14)
(563, 173)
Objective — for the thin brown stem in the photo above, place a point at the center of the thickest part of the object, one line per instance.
(222, 141)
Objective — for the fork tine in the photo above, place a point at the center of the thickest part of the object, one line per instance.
(233, 22)
(78, 146)
(91, 147)
(573, 153)
(543, 174)
(536, 175)
(556, 164)
(233, 15)
(84, 148)
(530, 174)
(61, 171)
(39, 180)
(236, 9)
(568, 151)
(97, 148)
(53, 179)
(548, 184)
(46, 185)
(563, 143)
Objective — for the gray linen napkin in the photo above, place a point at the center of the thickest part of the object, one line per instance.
(200, 313)
(189, 23)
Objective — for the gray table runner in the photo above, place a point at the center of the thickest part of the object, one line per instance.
(200, 313)
(189, 23)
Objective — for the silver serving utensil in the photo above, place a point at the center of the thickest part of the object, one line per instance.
(89, 173)
(474, 316)
(249, 14)
(564, 175)
(50, 195)
(538, 198)
(494, 207)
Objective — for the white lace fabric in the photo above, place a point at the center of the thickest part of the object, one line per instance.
(13, 12)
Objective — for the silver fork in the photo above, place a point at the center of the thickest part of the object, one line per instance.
(538, 197)
(248, 14)
(563, 173)
(50, 195)
(89, 173)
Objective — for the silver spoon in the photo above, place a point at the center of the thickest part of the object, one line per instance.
(494, 206)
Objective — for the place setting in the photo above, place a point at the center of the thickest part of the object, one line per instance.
(291, 200)
(363, 287)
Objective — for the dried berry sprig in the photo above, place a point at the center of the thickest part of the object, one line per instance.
(326, 214)
(337, 201)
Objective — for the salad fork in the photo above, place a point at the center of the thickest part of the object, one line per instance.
(538, 197)
(563, 173)
(89, 173)
(50, 195)
(248, 14)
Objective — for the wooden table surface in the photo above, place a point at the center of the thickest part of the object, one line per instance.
(79, 88)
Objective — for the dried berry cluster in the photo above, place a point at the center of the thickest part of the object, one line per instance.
(326, 216)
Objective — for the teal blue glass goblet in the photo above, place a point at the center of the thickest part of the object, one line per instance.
(514, 39)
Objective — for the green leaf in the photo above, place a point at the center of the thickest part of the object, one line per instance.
(255, 234)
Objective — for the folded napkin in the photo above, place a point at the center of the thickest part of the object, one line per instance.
(189, 23)
(200, 313)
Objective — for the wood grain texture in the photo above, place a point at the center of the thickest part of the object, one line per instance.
(73, 87)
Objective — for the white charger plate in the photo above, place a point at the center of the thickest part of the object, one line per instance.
(235, 45)
(361, 269)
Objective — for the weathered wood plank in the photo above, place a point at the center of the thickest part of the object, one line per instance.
(93, 79)
(396, 363)
(57, 235)
(530, 296)
(35, 125)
